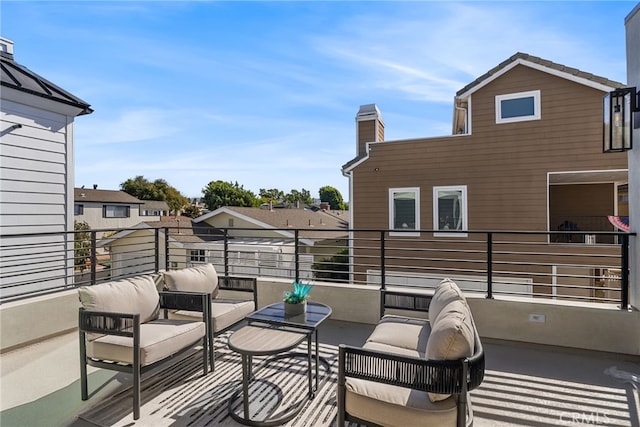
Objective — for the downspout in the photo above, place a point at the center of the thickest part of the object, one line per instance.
(349, 175)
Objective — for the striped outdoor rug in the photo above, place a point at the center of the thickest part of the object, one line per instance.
(181, 396)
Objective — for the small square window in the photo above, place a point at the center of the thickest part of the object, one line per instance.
(78, 209)
(518, 107)
(198, 255)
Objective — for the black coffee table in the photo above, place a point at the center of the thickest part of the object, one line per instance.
(270, 332)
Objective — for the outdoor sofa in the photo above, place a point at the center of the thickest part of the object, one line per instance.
(414, 372)
(120, 329)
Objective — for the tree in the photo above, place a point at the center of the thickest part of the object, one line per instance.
(141, 188)
(175, 200)
(159, 189)
(332, 196)
(81, 244)
(191, 211)
(275, 195)
(303, 196)
(333, 268)
(271, 195)
(221, 193)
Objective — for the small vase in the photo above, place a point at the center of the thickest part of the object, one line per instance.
(295, 309)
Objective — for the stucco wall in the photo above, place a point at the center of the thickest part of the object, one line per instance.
(582, 326)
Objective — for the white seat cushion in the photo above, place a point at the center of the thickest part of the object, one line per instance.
(386, 348)
(224, 313)
(159, 339)
(390, 405)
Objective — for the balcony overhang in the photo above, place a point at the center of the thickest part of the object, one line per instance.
(589, 177)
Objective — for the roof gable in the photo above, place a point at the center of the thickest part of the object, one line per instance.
(278, 218)
(315, 225)
(572, 74)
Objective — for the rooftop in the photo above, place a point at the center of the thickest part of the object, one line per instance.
(20, 78)
(103, 196)
(524, 385)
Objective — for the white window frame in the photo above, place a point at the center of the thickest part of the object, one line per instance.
(463, 211)
(392, 192)
(198, 255)
(536, 106)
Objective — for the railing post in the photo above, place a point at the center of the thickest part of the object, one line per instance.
(297, 254)
(156, 250)
(94, 258)
(225, 253)
(166, 248)
(382, 261)
(490, 265)
(383, 272)
(624, 272)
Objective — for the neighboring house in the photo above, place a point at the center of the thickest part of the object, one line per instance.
(134, 250)
(154, 208)
(198, 203)
(107, 209)
(261, 241)
(36, 163)
(525, 154)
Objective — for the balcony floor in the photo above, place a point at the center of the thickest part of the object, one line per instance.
(525, 385)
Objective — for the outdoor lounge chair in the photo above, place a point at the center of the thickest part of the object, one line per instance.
(225, 312)
(120, 329)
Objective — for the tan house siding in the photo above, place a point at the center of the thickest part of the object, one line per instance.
(504, 166)
(511, 172)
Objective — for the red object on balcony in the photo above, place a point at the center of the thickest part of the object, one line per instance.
(620, 222)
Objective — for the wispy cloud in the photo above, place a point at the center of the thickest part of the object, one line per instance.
(265, 93)
(129, 126)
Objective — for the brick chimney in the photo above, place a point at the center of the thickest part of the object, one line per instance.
(369, 126)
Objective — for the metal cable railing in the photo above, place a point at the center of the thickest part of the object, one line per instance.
(527, 264)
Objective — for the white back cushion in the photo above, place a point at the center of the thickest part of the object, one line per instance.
(202, 278)
(133, 295)
(452, 336)
(447, 291)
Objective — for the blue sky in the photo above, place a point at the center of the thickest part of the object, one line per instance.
(266, 93)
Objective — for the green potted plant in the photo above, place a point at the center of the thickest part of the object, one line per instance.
(295, 301)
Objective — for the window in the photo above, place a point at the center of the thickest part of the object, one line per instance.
(198, 255)
(404, 210)
(518, 107)
(78, 209)
(115, 211)
(230, 222)
(450, 210)
(149, 212)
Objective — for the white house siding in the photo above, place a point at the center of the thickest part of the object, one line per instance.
(35, 184)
